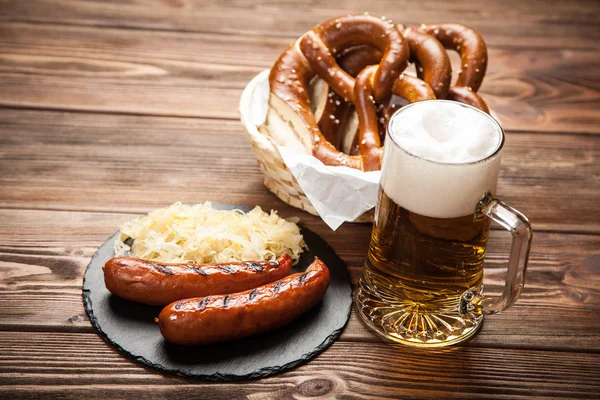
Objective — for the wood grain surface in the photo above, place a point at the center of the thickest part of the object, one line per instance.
(181, 74)
(111, 109)
(347, 370)
(118, 156)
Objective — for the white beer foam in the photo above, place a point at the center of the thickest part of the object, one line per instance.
(439, 165)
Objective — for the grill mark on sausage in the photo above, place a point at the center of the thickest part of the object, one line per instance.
(197, 270)
(202, 303)
(254, 266)
(226, 300)
(160, 268)
(227, 269)
(302, 278)
(253, 294)
(276, 287)
(274, 263)
(178, 305)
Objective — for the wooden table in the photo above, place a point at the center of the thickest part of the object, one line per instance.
(111, 109)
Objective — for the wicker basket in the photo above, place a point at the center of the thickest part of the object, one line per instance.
(277, 177)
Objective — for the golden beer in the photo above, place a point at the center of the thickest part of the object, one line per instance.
(422, 283)
(423, 265)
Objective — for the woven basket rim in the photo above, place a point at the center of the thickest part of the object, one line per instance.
(245, 105)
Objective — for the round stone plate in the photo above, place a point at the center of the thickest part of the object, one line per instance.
(130, 327)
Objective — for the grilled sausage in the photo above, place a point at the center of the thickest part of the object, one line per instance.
(156, 283)
(214, 319)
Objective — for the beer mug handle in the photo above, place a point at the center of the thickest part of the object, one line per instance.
(520, 228)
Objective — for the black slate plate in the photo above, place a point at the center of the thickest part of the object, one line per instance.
(131, 329)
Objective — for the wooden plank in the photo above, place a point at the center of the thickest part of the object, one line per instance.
(82, 365)
(557, 24)
(44, 254)
(203, 74)
(191, 58)
(97, 162)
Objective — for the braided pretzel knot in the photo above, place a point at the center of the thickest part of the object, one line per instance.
(313, 54)
(431, 58)
(360, 60)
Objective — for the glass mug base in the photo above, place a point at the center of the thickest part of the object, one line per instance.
(403, 321)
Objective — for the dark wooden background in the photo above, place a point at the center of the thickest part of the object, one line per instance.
(111, 109)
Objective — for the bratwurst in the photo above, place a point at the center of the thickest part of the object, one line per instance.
(214, 319)
(157, 283)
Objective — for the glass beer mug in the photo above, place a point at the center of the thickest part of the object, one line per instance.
(422, 284)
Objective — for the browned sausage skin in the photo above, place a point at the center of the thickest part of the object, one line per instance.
(156, 283)
(214, 319)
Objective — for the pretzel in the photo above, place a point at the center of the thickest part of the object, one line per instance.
(289, 82)
(437, 71)
(464, 94)
(433, 66)
(408, 87)
(432, 61)
(352, 60)
(429, 55)
(330, 110)
(311, 55)
(320, 44)
(356, 62)
(344, 135)
(473, 58)
(368, 129)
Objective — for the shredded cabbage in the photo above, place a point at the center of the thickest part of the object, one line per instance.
(201, 234)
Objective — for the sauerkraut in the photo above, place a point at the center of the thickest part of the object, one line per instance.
(201, 234)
